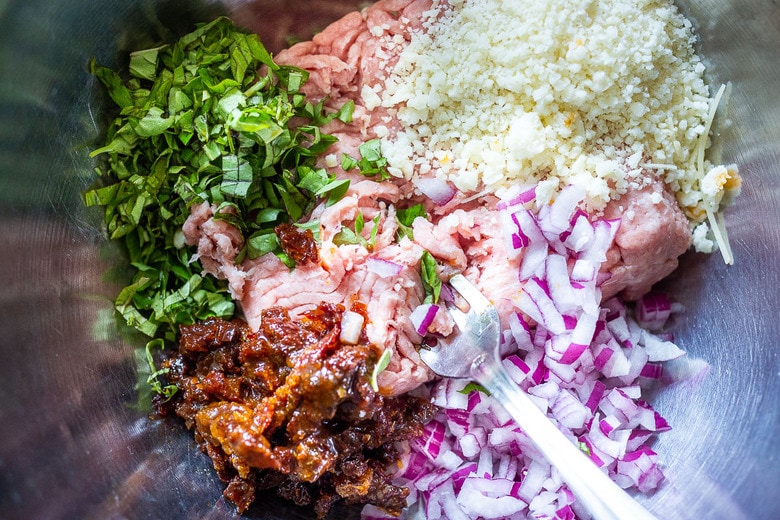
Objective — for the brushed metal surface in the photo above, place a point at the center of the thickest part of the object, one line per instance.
(73, 443)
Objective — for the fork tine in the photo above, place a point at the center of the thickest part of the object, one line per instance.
(478, 333)
(458, 316)
(476, 300)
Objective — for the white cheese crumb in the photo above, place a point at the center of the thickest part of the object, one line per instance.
(370, 98)
(701, 240)
(331, 161)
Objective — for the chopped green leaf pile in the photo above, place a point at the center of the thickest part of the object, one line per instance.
(198, 123)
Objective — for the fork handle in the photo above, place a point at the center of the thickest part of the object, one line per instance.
(604, 499)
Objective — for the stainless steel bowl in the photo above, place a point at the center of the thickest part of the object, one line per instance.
(73, 443)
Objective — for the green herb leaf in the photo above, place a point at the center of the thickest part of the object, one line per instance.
(347, 236)
(116, 88)
(359, 222)
(314, 227)
(381, 365)
(237, 176)
(153, 123)
(153, 379)
(473, 387)
(262, 243)
(430, 278)
(335, 190)
(348, 163)
(374, 231)
(143, 64)
(405, 219)
(371, 162)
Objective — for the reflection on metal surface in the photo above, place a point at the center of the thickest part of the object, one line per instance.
(72, 442)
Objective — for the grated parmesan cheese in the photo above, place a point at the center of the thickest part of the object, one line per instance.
(495, 93)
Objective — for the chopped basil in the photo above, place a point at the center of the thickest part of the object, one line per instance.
(381, 365)
(314, 227)
(405, 218)
(430, 278)
(196, 122)
(471, 387)
(153, 380)
(371, 162)
(349, 236)
(262, 243)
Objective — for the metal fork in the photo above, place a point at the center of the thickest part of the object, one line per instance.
(473, 353)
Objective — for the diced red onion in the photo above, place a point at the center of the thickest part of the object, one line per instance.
(415, 466)
(457, 420)
(536, 303)
(447, 394)
(606, 445)
(432, 438)
(445, 294)
(459, 476)
(540, 373)
(474, 400)
(507, 468)
(581, 234)
(641, 468)
(351, 327)
(422, 317)
(559, 283)
(620, 405)
(519, 195)
(472, 442)
(631, 391)
(564, 206)
(637, 439)
(438, 190)
(584, 271)
(660, 350)
(653, 310)
(637, 359)
(384, 268)
(595, 395)
(489, 498)
(604, 232)
(608, 424)
(521, 332)
(617, 364)
(566, 373)
(619, 328)
(652, 371)
(565, 513)
(516, 367)
(569, 411)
